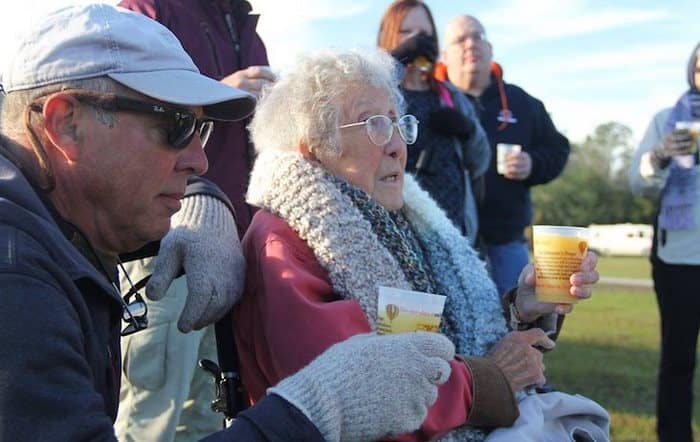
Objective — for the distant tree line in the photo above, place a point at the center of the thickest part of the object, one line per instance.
(593, 189)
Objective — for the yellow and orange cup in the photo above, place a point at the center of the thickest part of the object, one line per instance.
(558, 253)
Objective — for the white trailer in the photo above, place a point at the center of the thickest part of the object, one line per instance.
(620, 239)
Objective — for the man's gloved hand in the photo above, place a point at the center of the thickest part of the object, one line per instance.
(370, 386)
(451, 122)
(203, 241)
(676, 142)
(413, 47)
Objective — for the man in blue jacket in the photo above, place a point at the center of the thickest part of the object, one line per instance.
(103, 124)
(509, 115)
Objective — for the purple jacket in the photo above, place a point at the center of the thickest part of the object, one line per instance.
(203, 29)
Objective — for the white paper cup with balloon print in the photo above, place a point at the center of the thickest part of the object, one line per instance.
(404, 311)
(558, 253)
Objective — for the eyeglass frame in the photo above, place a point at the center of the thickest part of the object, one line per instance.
(395, 125)
(476, 37)
(135, 312)
(112, 102)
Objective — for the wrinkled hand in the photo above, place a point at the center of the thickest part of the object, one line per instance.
(203, 241)
(521, 363)
(251, 79)
(530, 309)
(451, 122)
(674, 143)
(370, 386)
(518, 165)
(413, 47)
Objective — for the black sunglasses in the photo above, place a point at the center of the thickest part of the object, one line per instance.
(180, 132)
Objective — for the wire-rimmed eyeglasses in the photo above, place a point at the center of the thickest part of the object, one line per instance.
(380, 128)
(476, 37)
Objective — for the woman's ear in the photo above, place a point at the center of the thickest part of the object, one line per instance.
(60, 125)
(305, 152)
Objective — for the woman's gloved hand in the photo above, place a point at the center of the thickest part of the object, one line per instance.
(371, 386)
(677, 142)
(451, 122)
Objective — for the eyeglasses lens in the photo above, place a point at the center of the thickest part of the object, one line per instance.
(379, 129)
(408, 128)
(205, 130)
(184, 128)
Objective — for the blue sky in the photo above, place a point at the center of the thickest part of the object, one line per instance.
(589, 61)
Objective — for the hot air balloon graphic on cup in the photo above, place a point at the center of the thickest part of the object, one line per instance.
(392, 311)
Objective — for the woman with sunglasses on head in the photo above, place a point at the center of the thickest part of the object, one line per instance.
(338, 218)
(452, 151)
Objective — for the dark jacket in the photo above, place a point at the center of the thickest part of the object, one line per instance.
(59, 334)
(507, 209)
(202, 28)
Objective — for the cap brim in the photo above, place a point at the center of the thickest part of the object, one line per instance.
(187, 88)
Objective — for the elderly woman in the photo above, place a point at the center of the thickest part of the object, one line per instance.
(340, 218)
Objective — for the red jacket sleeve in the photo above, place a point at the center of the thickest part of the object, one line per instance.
(289, 314)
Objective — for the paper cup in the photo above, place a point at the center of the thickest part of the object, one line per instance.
(558, 252)
(502, 152)
(688, 161)
(404, 311)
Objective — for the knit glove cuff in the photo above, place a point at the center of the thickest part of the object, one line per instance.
(370, 386)
(313, 396)
(203, 241)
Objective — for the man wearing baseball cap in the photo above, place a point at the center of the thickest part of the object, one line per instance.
(102, 125)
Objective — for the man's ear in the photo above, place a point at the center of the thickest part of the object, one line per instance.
(60, 125)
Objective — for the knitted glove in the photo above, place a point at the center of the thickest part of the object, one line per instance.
(370, 386)
(676, 142)
(204, 242)
(451, 122)
(413, 47)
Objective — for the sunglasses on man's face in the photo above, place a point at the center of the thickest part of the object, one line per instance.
(183, 123)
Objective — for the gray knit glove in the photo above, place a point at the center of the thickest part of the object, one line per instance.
(674, 143)
(370, 386)
(203, 241)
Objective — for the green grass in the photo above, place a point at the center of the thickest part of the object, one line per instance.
(608, 350)
(636, 267)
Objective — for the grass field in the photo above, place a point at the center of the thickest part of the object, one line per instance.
(609, 350)
(637, 267)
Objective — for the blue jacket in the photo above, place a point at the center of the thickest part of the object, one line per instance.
(60, 320)
(506, 208)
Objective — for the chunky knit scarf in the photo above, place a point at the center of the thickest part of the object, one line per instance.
(358, 261)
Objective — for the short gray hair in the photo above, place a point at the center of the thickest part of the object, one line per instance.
(13, 108)
(305, 104)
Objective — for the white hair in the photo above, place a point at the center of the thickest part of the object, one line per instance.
(305, 104)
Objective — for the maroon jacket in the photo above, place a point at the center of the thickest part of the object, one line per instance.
(202, 28)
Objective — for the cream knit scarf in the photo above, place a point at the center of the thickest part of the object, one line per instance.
(299, 192)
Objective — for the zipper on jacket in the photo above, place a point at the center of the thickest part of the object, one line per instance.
(231, 26)
(212, 46)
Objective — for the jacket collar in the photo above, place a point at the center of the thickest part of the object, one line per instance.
(22, 207)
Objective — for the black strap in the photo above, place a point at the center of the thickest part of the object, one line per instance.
(235, 395)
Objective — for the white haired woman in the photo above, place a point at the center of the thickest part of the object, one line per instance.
(339, 219)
